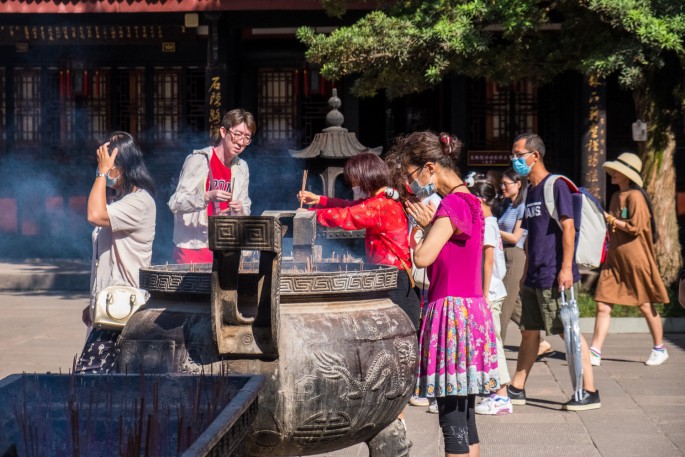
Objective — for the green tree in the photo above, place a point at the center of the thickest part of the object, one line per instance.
(412, 45)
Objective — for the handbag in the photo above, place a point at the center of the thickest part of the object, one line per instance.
(114, 305)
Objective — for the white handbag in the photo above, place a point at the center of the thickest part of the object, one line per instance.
(114, 305)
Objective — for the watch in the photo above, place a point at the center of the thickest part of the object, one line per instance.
(99, 174)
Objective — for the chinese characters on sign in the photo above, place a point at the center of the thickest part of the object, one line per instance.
(488, 158)
(51, 34)
(215, 109)
(594, 141)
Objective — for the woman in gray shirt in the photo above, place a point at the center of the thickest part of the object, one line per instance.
(122, 239)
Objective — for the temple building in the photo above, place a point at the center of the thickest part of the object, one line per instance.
(71, 72)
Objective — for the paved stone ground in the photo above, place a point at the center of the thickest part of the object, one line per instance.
(643, 408)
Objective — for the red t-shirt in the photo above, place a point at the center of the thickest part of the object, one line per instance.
(219, 178)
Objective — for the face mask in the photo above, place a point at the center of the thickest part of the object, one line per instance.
(520, 167)
(358, 193)
(110, 182)
(422, 191)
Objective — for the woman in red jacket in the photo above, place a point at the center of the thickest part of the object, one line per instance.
(376, 209)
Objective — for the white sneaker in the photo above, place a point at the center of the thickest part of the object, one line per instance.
(657, 357)
(415, 400)
(433, 407)
(495, 406)
(595, 360)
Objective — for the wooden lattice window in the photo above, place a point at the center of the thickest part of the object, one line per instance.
(98, 122)
(500, 112)
(167, 104)
(130, 113)
(276, 105)
(195, 104)
(27, 107)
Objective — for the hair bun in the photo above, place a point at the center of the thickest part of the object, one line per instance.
(451, 146)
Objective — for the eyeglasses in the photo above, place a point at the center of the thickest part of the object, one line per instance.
(239, 137)
(505, 184)
(411, 173)
(520, 155)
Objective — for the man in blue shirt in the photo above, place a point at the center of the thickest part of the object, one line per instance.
(550, 254)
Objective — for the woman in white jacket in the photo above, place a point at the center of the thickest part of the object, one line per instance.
(213, 180)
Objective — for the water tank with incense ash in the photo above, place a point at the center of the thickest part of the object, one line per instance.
(339, 356)
(126, 415)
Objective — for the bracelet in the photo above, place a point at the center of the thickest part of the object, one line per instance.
(99, 174)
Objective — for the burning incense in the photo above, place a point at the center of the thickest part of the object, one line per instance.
(304, 184)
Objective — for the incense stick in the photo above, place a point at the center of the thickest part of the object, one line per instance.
(230, 211)
(304, 184)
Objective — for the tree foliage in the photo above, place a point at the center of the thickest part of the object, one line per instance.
(411, 45)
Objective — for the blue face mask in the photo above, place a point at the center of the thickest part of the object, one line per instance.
(110, 182)
(520, 167)
(422, 191)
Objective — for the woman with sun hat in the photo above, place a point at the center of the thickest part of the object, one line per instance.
(630, 275)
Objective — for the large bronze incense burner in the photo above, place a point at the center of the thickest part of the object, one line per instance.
(338, 354)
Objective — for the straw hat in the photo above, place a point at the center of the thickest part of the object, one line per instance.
(627, 164)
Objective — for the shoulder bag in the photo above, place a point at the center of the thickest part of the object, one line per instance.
(114, 305)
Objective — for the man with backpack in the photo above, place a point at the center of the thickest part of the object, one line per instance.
(551, 266)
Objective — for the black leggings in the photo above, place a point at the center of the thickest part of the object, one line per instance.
(458, 423)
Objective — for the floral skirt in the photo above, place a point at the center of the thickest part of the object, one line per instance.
(458, 349)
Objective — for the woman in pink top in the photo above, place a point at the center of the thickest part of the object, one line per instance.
(457, 338)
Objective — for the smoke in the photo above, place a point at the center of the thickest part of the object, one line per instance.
(43, 202)
(275, 180)
(42, 210)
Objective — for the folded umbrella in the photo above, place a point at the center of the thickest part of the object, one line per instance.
(569, 317)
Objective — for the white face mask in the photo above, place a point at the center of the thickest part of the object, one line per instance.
(358, 193)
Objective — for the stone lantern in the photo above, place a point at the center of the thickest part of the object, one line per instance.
(326, 156)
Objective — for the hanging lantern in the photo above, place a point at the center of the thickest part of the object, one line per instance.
(68, 83)
(85, 83)
(305, 83)
(62, 85)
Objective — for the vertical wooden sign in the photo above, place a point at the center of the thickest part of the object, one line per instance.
(594, 137)
(214, 106)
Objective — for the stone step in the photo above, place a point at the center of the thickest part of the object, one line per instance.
(44, 274)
